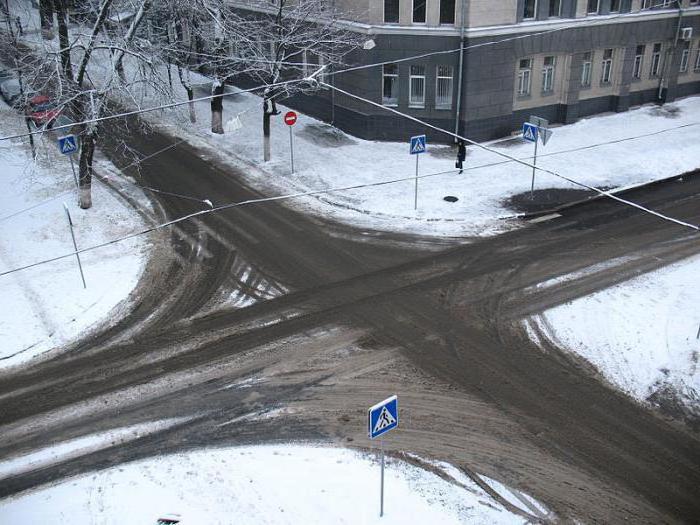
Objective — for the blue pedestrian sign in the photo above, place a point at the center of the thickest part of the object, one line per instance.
(418, 145)
(68, 144)
(530, 132)
(383, 417)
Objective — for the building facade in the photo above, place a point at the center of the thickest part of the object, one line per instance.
(559, 59)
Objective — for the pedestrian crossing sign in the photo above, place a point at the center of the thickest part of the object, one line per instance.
(418, 145)
(68, 144)
(383, 417)
(530, 132)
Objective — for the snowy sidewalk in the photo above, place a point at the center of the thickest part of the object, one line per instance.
(46, 306)
(327, 158)
(642, 335)
(280, 484)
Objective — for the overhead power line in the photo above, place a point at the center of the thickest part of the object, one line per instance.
(515, 159)
(154, 108)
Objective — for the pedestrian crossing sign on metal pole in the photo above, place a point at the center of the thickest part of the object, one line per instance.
(68, 144)
(418, 145)
(530, 132)
(381, 418)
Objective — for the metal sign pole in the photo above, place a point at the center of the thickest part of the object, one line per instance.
(75, 245)
(72, 167)
(415, 201)
(534, 164)
(381, 489)
(291, 146)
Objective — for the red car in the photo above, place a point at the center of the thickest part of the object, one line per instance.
(42, 111)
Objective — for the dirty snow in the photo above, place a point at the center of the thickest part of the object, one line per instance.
(327, 158)
(54, 454)
(642, 335)
(46, 306)
(257, 485)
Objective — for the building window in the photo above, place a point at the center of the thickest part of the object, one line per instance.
(524, 77)
(592, 8)
(638, 62)
(419, 11)
(655, 61)
(416, 87)
(586, 68)
(650, 4)
(391, 11)
(614, 6)
(447, 12)
(443, 89)
(685, 55)
(697, 60)
(529, 9)
(554, 8)
(548, 74)
(607, 66)
(390, 85)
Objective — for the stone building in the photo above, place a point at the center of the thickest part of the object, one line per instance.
(559, 59)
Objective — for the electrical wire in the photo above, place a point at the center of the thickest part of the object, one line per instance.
(155, 108)
(515, 159)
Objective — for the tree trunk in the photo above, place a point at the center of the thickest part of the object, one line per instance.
(266, 136)
(87, 150)
(193, 113)
(217, 108)
(269, 109)
(46, 15)
(190, 92)
(63, 42)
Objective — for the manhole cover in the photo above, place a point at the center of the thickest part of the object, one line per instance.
(450, 198)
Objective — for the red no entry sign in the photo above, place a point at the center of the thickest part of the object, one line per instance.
(290, 118)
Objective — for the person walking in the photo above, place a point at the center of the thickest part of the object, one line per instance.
(461, 155)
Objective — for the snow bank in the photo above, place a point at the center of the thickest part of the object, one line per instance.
(257, 485)
(641, 334)
(593, 151)
(46, 306)
(326, 158)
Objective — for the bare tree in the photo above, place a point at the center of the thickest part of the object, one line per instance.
(85, 71)
(294, 39)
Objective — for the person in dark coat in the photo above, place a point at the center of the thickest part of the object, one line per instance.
(461, 155)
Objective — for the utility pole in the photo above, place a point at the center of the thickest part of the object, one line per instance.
(75, 245)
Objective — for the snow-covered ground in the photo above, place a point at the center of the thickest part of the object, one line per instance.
(642, 335)
(258, 485)
(46, 306)
(326, 158)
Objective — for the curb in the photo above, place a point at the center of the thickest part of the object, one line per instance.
(617, 191)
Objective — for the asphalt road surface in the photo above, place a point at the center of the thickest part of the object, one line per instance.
(337, 318)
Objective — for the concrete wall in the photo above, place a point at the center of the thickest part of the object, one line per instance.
(490, 107)
(489, 13)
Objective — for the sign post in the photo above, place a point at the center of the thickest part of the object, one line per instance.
(530, 132)
(75, 245)
(290, 118)
(536, 128)
(68, 145)
(381, 418)
(418, 146)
